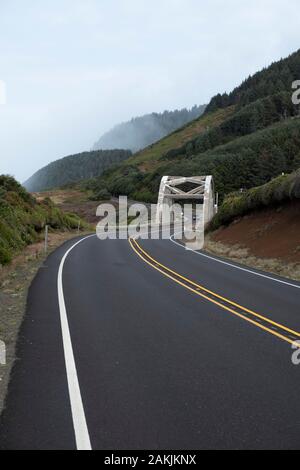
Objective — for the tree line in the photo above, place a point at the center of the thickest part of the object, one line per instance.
(74, 168)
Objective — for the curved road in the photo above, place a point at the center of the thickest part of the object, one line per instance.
(172, 350)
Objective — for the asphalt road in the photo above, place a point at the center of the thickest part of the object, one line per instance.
(159, 363)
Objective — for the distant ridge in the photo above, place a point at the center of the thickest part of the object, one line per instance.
(74, 168)
(145, 130)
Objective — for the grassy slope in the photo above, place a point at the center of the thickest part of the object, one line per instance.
(132, 177)
(22, 218)
(245, 162)
(74, 201)
(149, 157)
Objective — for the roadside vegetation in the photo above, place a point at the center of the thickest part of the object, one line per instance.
(22, 223)
(76, 199)
(23, 218)
(260, 227)
(281, 189)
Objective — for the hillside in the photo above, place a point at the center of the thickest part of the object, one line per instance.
(74, 168)
(22, 218)
(133, 176)
(74, 200)
(268, 233)
(269, 81)
(244, 139)
(261, 227)
(145, 130)
(284, 188)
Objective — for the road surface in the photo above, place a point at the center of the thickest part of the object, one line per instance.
(148, 346)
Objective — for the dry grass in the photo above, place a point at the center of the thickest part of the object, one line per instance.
(63, 196)
(241, 255)
(74, 201)
(147, 159)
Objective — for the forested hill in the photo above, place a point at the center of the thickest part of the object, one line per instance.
(75, 168)
(278, 77)
(145, 130)
(243, 139)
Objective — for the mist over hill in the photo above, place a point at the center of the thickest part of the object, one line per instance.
(244, 139)
(145, 130)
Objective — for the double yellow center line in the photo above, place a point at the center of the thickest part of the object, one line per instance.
(262, 322)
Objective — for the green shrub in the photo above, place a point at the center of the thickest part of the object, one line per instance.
(144, 196)
(5, 255)
(283, 188)
(100, 195)
(22, 218)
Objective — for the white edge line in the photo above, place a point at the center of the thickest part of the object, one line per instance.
(79, 421)
(234, 266)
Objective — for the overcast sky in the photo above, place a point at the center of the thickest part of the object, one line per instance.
(74, 68)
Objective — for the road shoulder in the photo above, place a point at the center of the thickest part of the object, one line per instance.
(15, 281)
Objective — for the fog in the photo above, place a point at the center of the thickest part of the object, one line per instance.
(75, 68)
(142, 131)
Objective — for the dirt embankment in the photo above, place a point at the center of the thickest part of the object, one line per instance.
(268, 239)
